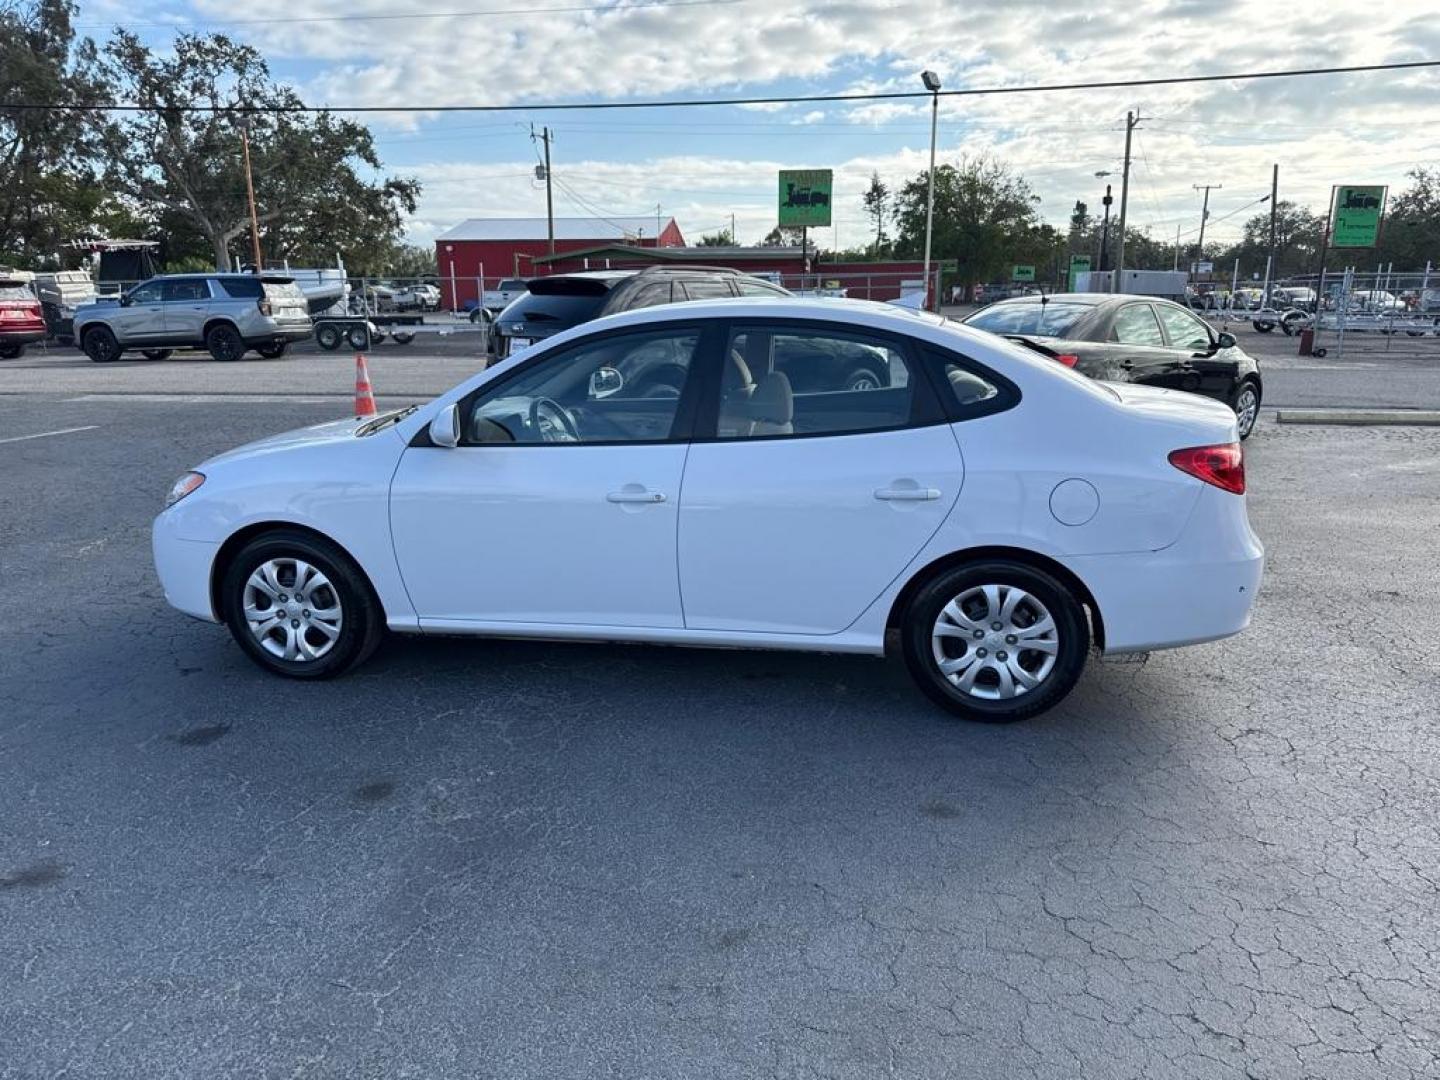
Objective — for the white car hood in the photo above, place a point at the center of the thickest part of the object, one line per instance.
(333, 431)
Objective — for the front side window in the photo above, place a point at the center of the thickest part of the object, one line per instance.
(617, 389)
(149, 293)
(754, 287)
(1184, 329)
(811, 382)
(1135, 325)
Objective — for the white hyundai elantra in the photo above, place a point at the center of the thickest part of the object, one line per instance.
(720, 473)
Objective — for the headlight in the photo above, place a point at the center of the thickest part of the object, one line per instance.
(184, 486)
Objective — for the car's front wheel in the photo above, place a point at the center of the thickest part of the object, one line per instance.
(225, 343)
(995, 641)
(1247, 407)
(101, 346)
(299, 607)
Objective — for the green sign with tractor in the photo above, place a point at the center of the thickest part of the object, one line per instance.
(1355, 215)
(805, 196)
(1023, 273)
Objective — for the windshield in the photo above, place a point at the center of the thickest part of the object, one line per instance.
(550, 313)
(1054, 318)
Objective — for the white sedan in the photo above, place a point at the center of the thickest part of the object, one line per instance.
(999, 512)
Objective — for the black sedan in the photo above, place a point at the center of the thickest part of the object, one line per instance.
(1139, 339)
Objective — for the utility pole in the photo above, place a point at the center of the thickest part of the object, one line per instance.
(250, 193)
(932, 83)
(1204, 215)
(1177, 247)
(545, 137)
(1132, 120)
(657, 224)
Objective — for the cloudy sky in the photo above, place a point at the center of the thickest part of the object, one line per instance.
(703, 165)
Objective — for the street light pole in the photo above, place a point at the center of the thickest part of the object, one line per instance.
(250, 193)
(932, 83)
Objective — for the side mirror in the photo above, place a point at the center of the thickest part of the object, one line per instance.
(445, 428)
(605, 381)
(1226, 340)
(125, 300)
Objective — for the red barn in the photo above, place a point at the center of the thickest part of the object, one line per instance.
(506, 247)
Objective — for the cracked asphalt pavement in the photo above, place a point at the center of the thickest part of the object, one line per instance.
(502, 859)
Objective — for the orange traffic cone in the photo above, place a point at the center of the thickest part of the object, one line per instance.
(364, 393)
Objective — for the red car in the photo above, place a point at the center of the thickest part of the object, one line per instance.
(21, 321)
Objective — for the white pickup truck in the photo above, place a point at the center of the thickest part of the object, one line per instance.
(493, 301)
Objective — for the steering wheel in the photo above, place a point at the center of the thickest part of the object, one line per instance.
(551, 420)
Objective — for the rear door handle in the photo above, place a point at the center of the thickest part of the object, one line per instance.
(907, 494)
(635, 497)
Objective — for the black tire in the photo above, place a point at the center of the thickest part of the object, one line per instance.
(1263, 327)
(1244, 413)
(863, 378)
(274, 352)
(157, 354)
(1071, 636)
(362, 622)
(101, 346)
(358, 336)
(328, 336)
(225, 343)
(11, 352)
(402, 337)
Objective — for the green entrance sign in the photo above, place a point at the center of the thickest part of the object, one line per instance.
(1023, 273)
(805, 197)
(1355, 215)
(1079, 264)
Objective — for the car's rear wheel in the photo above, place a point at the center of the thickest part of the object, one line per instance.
(995, 641)
(156, 354)
(11, 352)
(1247, 407)
(328, 337)
(299, 607)
(101, 346)
(274, 352)
(225, 343)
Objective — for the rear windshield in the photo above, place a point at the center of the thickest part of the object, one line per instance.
(282, 289)
(552, 312)
(1052, 319)
(512, 283)
(11, 291)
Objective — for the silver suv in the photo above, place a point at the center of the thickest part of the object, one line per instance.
(225, 313)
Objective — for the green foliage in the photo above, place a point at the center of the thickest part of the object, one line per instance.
(1411, 231)
(186, 167)
(723, 238)
(782, 236)
(985, 219)
(877, 205)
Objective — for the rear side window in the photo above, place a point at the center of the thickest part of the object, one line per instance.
(242, 288)
(702, 289)
(1051, 319)
(758, 288)
(651, 295)
(1135, 325)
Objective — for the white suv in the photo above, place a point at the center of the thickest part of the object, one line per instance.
(225, 313)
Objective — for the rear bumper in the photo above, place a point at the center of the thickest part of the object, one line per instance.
(1200, 588)
(27, 336)
(278, 334)
(183, 567)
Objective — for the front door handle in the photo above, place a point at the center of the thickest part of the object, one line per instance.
(632, 496)
(907, 494)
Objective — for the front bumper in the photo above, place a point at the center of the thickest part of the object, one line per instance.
(1200, 588)
(184, 568)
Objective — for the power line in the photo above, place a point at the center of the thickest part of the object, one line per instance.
(638, 5)
(691, 103)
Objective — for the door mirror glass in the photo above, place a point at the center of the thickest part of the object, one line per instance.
(605, 381)
(1226, 340)
(445, 428)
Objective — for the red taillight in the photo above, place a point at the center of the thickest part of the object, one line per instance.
(1068, 359)
(264, 306)
(1222, 465)
(20, 311)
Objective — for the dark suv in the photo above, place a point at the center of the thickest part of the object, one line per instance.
(552, 304)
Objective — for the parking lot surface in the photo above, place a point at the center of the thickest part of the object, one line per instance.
(489, 858)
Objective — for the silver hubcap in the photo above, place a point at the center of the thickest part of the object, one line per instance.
(995, 642)
(864, 382)
(292, 609)
(1246, 408)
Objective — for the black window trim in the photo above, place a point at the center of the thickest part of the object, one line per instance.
(937, 356)
(927, 409)
(686, 411)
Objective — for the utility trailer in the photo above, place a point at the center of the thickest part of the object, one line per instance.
(363, 331)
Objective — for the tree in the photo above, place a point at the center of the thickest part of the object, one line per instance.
(1297, 242)
(723, 238)
(985, 218)
(1411, 233)
(185, 165)
(783, 236)
(877, 205)
(48, 188)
